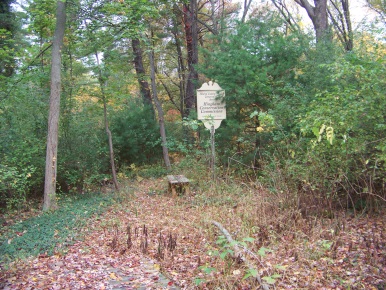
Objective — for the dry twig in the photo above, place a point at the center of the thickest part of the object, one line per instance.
(238, 253)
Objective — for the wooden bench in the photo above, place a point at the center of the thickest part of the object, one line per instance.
(178, 184)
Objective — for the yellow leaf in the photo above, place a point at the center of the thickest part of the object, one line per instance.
(113, 276)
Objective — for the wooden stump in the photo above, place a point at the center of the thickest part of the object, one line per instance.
(178, 184)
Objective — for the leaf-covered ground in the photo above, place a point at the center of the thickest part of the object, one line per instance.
(148, 233)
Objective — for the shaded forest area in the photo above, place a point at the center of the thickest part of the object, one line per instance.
(98, 100)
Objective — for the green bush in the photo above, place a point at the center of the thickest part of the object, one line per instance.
(83, 150)
(346, 126)
(136, 135)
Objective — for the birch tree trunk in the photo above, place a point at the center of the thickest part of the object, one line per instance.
(53, 118)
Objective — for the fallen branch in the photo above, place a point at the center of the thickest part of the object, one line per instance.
(238, 253)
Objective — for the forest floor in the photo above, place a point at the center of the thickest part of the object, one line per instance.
(149, 240)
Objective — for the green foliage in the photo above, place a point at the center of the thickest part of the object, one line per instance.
(347, 123)
(226, 250)
(42, 15)
(83, 150)
(310, 119)
(9, 26)
(51, 232)
(136, 136)
(21, 150)
(14, 185)
(144, 171)
(255, 64)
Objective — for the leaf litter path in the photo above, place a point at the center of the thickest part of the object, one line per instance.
(341, 253)
(103, 261)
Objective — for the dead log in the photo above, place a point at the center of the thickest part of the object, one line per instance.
(238, 252)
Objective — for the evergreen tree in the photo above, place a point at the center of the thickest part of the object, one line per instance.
(8, 29)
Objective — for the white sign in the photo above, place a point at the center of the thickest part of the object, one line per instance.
(211, 105)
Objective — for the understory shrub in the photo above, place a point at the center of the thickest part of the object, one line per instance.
(136, 135)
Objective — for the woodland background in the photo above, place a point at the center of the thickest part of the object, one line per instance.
(305, 114)
(300, 159)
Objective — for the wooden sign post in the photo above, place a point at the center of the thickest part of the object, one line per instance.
(211, 111)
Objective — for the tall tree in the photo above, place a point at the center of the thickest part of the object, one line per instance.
(341, 20)
(191, 34)
(160, 112)
(140, 71)
(7, 30)
(102, 83)
(53, 119)
(318, 16)
(246, 6)
(180, 59)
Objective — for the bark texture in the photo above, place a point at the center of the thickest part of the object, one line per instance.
(140, 71)
(318, 15)
(191, 34)
(53, 118)
(180, 63)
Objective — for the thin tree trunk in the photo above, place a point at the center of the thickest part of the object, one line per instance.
(107, 129)
(160, 112)
(53, 118)
(342, 23)
(285, 13)
(347, 17)
(110, 138)
(247, 4)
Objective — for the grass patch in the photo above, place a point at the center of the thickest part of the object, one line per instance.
(51, 232)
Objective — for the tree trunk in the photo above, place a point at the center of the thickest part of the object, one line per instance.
(53, 118)
(318, 16)
(191, 33)
(139, 69)
(160, 112)
(107, 129)
(342, 23)
(247, 5)
(286, 15)
(349, 36)
(110, 139)
(180, 58)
